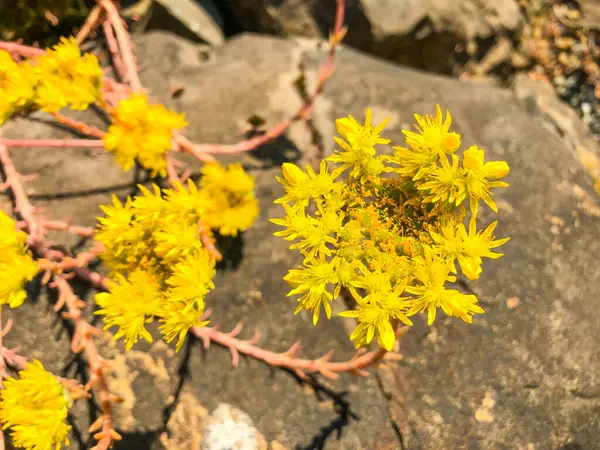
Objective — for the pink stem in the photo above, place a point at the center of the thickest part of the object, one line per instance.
(85, 143)
(172, 175)
(65, 226)
(79, 126)
(289, 358)
(22, 203)
(8, 356)
(113, 47)
(23, 50)
(188, 146)
(91, 22)
(130, 67)
(325, 72)
(96, 364)
(61, 225)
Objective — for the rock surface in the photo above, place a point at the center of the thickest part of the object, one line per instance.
(524, 375)
(418, 33)
(196, 20)
(229, 428)
(590, 14)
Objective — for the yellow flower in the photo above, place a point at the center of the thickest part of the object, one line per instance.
(176, 239)
(359, 144)
(433, 133)
(184, 202)
(312, 282)
(231, 205)
(17, 267)
(383, 237)
(184, 306)
(432, 272)
(315, 234)
(375, 311)
(155, 247)
(35, 407)
(192, 278)
(66, 78)
(372, 321)
(17, 86)
(468, 249)
(142, 132)
(301, 186)
(117, 220)
(412, 162)
(130, 304)
(478, 176)
(446, 184)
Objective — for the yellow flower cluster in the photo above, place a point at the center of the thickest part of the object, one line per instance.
(155, 246)
(59, 78)
(16, 264)
(142, 132)
(392, 230)
(35, 407)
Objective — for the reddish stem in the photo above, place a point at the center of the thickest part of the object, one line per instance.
(91, 22)
(113, 47)
(172, 175)
(208, 241)
(83, 143)
(22, 204)
(12, 358)
(97, 365)
(8, 356)
(289, 359)
(79, 126)
(188, 146)
(324, 73)
(129, 64)
(62, 225)
(23, 50)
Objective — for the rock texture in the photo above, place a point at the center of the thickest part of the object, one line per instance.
(524, 375)
(227, 428)
(196, 20)
(418, 33)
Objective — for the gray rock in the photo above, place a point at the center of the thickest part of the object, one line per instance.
(590, 17)
(196, 20)
(524, 375)
(519, 377)
(419, 33)
(229, 428)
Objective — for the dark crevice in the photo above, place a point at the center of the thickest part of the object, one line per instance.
(585, 395)
(388, 399)
(316, 137)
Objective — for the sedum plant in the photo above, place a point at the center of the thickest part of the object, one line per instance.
(17, 266)
(61, 77)
(160, 250)
(35, 406)
(391, 230)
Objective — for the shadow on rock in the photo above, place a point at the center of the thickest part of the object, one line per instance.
(341, 406)
(183, 373)
(232, 249)
(276, 152)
